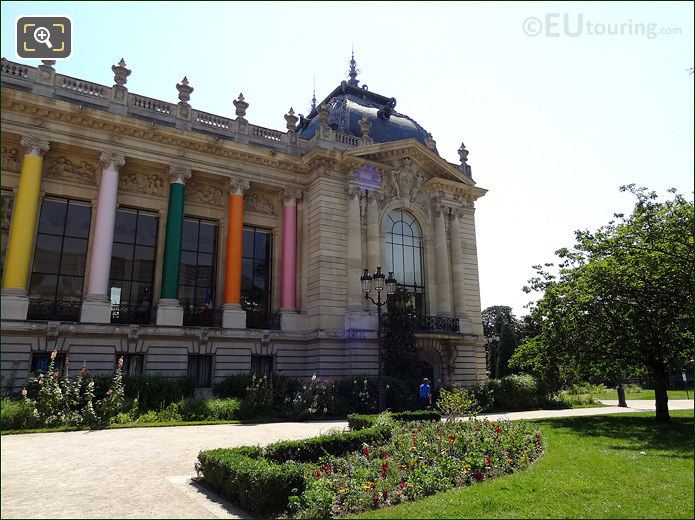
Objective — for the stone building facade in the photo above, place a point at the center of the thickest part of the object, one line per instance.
(192, 243)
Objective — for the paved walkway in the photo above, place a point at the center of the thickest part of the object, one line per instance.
(146, 472)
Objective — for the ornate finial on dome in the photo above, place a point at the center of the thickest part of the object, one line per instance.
(313, 99)
(463, 156)
(353, 71)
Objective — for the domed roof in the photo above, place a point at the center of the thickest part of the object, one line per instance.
(349, 102)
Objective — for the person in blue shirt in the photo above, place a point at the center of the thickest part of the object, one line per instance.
(425, 393)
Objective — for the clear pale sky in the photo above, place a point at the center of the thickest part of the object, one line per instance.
(554, 124)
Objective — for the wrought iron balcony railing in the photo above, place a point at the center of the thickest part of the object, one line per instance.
(261, 320)
(202, 317)
(54, 310)
(132, 314)
(441, 324)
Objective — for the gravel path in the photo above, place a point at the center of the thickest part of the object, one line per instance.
(146, 472)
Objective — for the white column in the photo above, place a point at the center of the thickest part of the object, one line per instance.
(96, 307)
(440, 212)
(457, 263)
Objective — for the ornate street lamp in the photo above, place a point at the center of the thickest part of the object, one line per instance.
(378, 282)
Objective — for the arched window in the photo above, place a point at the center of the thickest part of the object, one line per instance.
(404, 254)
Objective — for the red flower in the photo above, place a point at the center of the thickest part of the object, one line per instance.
(498, 429)
(327, 469)
(56, 376)
(318, 474)
(365, 452)
(452, 439)
(384, 454)
(399, 494)
(488, 460)
(385, 495)
(403, 484)
(384, 469)
(477, 475)
(538, 436)
(375, 499)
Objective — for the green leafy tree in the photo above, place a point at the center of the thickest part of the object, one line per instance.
(620, 301)
(502, 329)
(398, 332)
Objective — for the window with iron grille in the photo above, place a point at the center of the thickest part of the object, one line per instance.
(200, 369)
(404, 254)
(41, 360)
(261, 365)
(133, 364)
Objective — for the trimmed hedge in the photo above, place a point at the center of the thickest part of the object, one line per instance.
(254, 484)
(261, 480)
(358, 422)
(17, 415)
(310, 450)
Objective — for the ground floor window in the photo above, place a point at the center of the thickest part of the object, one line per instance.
(200, 369)
(133, 364)
(41, 360)
(261, 365)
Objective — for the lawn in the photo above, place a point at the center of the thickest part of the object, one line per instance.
(611, 466)
(642, 394)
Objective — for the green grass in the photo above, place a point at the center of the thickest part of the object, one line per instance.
(642, 394)
(593, 468)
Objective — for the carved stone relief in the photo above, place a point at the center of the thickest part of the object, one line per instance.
(258, 203)
(10, 159)
(63, 168)
(404, 182)
(149, 184)
(197, 191)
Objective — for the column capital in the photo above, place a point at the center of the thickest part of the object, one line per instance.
(440, 209)
(354, 191)
(111, 160)
(237, 185)
(457, 212)
(179, 173)
(33, 145)
(374, 196)
(291, 195)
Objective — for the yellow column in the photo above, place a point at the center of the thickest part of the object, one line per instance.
(24, 215)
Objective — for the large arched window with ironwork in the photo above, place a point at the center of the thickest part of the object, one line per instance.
(404, 254)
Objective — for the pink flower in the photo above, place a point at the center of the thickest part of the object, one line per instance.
(120, 362)
(83, 370)
(53, 355)
(365, 452)
(403, 484)
(24, 392)
(109, 392)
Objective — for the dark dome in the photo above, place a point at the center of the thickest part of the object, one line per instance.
(347, 104)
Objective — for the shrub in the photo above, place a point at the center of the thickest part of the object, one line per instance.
(516, 392)
(259, 398)
(18, 415)
(361, 421)
(209, 409)
(457, 401)
(316, 398)
(310, 450)
(255, 484)
(157, 392)
(233, 385)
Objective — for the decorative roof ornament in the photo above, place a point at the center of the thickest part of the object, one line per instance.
(463, 156)
(365, 126)
(120, 73)
(313, 99)
(291, 120)
(353, 72)
(323, 114)
(184, 91)
(430, 142)
(241, 106)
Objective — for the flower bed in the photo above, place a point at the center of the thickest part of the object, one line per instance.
(361, 421)
(334, 475)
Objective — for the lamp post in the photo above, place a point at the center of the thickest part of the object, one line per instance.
(376, 283)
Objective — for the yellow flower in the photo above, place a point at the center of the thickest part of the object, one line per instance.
(343, 490)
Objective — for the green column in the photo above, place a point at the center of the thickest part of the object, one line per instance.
(172, 242)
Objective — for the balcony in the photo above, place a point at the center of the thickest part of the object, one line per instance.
(54, 310)
(202, 317)
(132, 314)
(432, 324)
(261, 320)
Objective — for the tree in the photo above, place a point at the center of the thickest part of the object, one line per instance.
(501, 328)
(620, 301)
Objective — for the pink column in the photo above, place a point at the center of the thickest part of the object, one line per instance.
(100, 264)
(289, 249)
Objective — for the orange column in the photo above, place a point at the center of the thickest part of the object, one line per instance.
(235, 230)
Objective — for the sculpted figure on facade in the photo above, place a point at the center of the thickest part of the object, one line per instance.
(258, 203)
(10, 159)
(197, 191)
(63, 168)
(141, 183)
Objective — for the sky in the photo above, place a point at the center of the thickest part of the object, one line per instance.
(559, 104)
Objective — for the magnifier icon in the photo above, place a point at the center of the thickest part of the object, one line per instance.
(42, 35)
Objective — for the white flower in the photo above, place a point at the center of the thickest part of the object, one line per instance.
(313, 378)
(90, 385)
(24, 392)
(53, 355)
